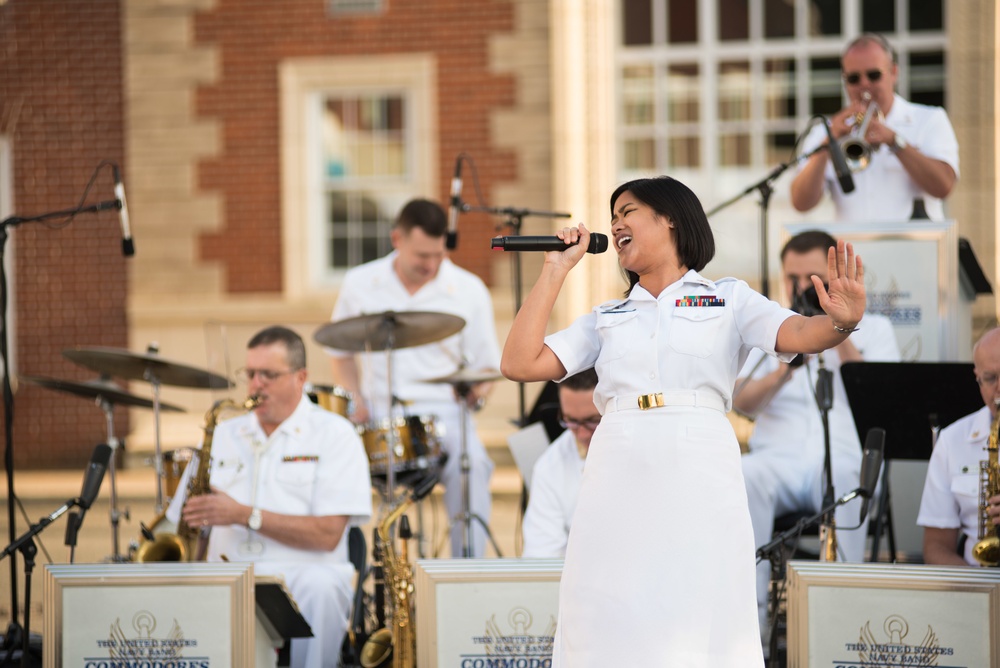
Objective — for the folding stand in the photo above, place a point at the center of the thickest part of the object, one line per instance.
(912, 401)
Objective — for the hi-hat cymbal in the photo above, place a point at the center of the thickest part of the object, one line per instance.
(149, 367)
(391, 329)
(467, 377)
(97, 389)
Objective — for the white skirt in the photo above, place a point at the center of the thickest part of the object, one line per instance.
(659, 569)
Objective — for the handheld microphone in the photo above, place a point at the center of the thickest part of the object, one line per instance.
(455, 208)
(598, 243)
(870, 465)
(839, 161)
(94, 475)
(128, 248)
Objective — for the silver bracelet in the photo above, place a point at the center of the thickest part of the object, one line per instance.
(845, 330)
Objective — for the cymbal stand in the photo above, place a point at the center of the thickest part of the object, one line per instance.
(157, 449)
(466, 516)
(113, 443)
(390, 444)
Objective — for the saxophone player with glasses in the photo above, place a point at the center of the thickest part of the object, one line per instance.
(961, 499)
(287, 480)
(909, 154)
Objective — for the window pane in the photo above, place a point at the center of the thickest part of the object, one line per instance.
(825, 86)
(637, 22)
(637, 95)
(779, 18)
(926, 78)
(926, 15)
(640, 154)
(734, 150)
(734, 20)
(824, 18)
(779, 89)
(734, 91)
(684, 152)
(683, 91)
(682, 21)
(878, 16)
(778, 147)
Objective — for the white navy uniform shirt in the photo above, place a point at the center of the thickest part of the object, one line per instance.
(555, 485)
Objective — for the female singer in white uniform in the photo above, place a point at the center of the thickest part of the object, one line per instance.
(659, 568)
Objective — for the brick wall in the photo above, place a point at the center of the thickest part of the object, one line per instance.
(61, 108)
(253, 36)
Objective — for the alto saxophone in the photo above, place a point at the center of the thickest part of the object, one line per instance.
(987, 549)
(402, 637)
(190, 543)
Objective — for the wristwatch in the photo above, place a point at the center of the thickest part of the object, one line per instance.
(255, 520)
(898, 143)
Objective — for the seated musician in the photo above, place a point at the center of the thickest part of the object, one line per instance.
(949, 508)
(286, 480)
(555, 479)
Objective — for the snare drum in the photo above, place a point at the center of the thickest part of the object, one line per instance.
(417, 443)
(174, 463)
(332, 398)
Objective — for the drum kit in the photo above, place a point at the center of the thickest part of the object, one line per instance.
(148, 367)
(408, 446)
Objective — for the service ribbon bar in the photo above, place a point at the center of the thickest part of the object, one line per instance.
(700, 300)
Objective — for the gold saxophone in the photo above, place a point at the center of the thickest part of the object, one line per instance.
(987, 549)
(189, 543)
(401, 640)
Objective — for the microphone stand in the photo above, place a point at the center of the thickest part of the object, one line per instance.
(774, 552)
(764, 186)
(26, 546)
(8, 395)
(824, 400)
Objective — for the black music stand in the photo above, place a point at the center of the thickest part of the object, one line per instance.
(911, 401)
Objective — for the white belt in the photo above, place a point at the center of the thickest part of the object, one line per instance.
(658, 399)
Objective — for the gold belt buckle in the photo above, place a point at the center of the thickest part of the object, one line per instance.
(647, 401)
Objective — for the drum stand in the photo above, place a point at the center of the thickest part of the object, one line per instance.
(466, 516)
(113, 443)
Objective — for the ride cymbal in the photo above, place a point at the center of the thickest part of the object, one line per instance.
(467, 377)
(97, 389)
(149, 367)
(388, 330)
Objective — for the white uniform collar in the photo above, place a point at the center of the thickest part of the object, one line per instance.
(979, 426)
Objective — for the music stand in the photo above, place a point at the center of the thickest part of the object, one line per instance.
(911, 401)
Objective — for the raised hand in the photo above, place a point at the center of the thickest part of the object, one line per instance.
(844, 301)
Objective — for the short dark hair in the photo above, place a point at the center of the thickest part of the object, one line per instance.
(425, 214)
(672, 199)
(585, 380)
(875, 38)
(810, 240)
(277, 334)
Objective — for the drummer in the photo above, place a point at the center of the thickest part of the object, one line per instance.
(418, 276)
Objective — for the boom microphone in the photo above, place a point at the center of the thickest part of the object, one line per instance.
(94, 475)
(870, 465)
(455, 207)
(128, 248)
(839, 161)
(598, 243)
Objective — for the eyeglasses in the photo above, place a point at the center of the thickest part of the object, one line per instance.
(590, 424)
(265, 375)
(987, 379)
(854, 78)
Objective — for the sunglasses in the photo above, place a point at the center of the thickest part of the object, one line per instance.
(854, 78)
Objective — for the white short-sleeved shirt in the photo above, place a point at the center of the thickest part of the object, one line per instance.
(675, 341)
(791, 419)
(555, 485)
(313, 464)
(884, 191)
(951, 489)
(374, 287)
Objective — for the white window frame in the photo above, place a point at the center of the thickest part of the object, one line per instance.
(304, 85)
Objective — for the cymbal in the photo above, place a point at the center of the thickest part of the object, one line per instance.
(467, 377)
(97, 389)
(391, 329)
(149, 367)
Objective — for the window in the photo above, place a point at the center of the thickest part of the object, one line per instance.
(358, 141)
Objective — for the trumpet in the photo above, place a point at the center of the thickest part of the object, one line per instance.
(857, 150)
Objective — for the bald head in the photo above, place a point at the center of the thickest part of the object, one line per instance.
(986, 363)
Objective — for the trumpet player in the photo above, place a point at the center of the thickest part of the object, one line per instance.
(286, 481)
(950, 506)
(911, 154)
